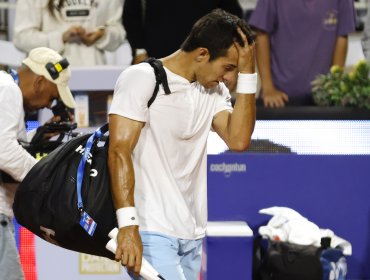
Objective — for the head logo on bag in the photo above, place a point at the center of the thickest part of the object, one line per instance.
(80, 149)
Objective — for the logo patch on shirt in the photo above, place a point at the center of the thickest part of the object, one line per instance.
(330, 20)
(75, 10)
(78, 13)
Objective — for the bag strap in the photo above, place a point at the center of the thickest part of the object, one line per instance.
(81, 167)
(160, 78)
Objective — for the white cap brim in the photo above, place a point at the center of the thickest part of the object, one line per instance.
(66, 96)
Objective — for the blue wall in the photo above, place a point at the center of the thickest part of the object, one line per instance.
(331, 191)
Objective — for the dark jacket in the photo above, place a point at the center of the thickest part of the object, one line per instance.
(161, 26)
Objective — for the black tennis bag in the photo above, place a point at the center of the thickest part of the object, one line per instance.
(276, 260)
(47, 201)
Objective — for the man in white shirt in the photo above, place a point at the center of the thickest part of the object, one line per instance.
(157, 155)
(41, 79)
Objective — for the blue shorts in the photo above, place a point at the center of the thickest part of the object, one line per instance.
(173, 258)
(10, 266)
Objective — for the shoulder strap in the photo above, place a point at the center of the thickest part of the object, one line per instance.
(160, 78)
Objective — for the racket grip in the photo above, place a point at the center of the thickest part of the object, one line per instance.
(147, 271)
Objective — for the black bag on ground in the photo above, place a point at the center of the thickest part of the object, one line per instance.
(275, 260)
(47, 201)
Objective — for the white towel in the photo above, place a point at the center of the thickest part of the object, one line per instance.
(288, 225)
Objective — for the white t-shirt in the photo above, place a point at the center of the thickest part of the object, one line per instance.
(170, 158)
(14, 160)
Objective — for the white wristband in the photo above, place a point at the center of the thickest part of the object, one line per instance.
(127, 216)
(247, 83)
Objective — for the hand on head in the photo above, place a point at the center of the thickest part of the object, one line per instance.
(246, 55)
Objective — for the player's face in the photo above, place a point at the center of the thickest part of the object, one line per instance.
(221, 69)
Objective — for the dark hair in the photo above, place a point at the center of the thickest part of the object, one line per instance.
(52, 6)
(216, 31)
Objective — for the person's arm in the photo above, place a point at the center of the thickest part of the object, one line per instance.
(123, 136)
(112, 33)
(365, 40)
(27, 28)
(127, 115)
(272, 97)
(236, 127)
(139, 55)
(340, 51)
(14, 159)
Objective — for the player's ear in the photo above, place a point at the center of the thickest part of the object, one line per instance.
(202, 55)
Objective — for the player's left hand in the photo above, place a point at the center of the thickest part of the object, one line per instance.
(247, 55)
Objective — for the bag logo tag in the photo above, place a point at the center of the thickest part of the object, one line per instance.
(87, 223)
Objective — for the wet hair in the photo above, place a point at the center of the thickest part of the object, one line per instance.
(216, 31)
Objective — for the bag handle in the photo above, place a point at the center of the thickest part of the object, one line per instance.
(81, 167)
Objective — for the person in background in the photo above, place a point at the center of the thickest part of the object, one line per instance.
(42, 78)
(79, 30)
(296, 41)
(157, 28)
(365, 40)
(157, 156)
